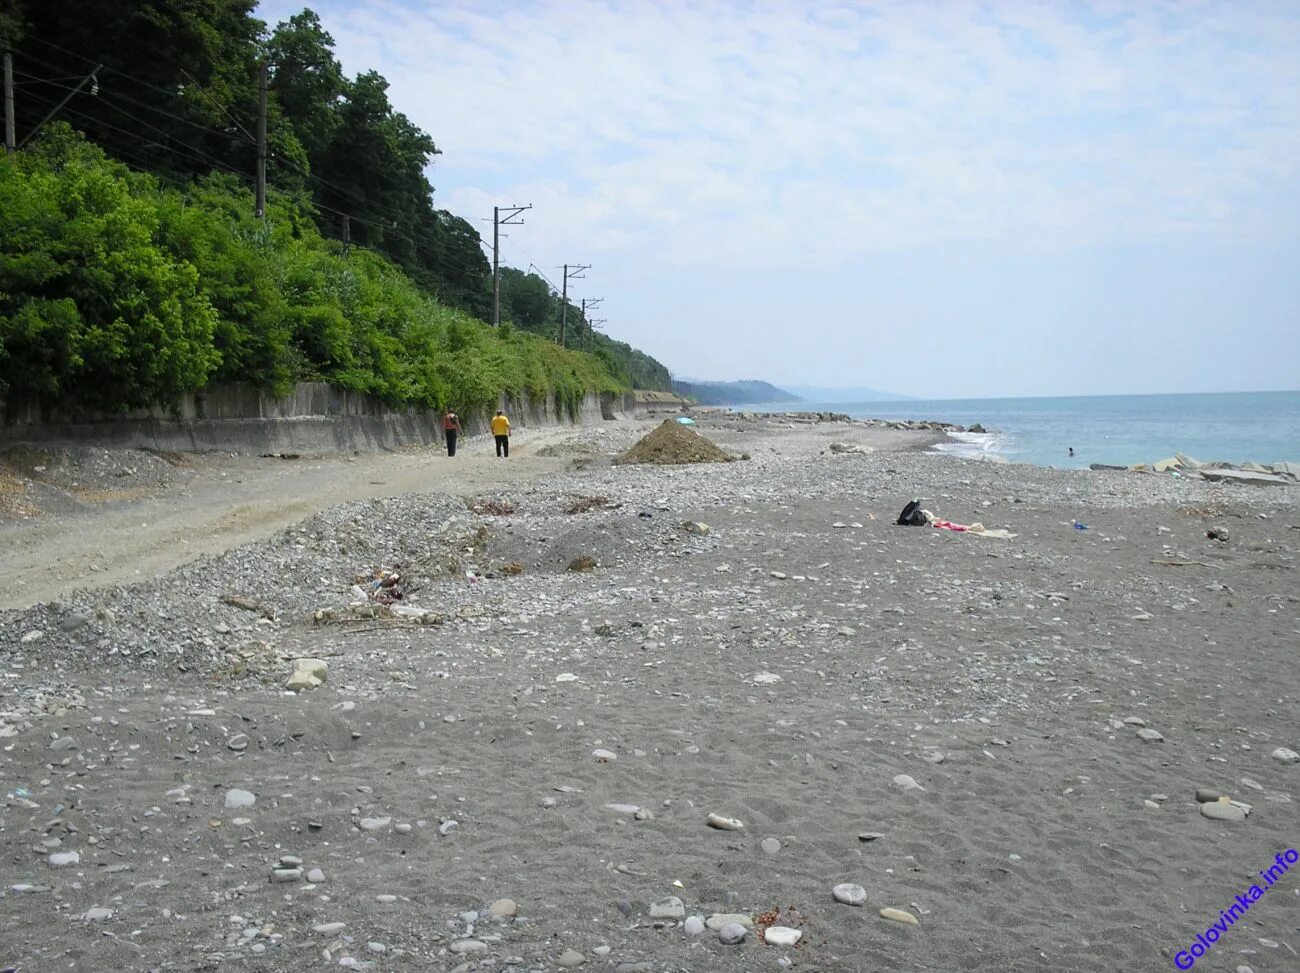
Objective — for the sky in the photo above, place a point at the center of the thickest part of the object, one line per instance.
(940, 199)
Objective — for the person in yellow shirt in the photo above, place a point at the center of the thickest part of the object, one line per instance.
(501, 430)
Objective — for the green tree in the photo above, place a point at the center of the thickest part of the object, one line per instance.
(92, 311)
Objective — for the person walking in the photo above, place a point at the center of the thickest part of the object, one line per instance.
(451, 429)
(501, 430)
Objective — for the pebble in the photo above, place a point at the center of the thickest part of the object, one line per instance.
(447, 827)
(1205, 795)
(64, 743)
(373, 947)
(62, 859)
(849, 894)
(236, 798)
(907, 783)
(570, 958)
(898, 915)
(1286, 756)
(770, 845)
(463, 946)
(1223, 811)
(97, 914)
(385, 898)
(285, 875)
(870, 836)
(604, 756)
(669, 907)
(723, 823)
(731, 934)
(693, 926)
(766, 678)
(329, 928)
(238, 742)
(374, 824)
(781, 936)
(315, 876)
(503, 908)
(1148, 735)
(720, 919)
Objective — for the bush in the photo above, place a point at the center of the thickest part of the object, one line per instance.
(116, 292)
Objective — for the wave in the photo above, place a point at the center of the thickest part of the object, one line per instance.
(990, 446)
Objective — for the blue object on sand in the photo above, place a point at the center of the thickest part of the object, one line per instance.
(686, 420)
(1079, 526)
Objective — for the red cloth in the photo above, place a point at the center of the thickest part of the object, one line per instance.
(948, 525)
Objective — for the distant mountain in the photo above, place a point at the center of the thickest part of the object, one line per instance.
(745, 392)
(814, 393)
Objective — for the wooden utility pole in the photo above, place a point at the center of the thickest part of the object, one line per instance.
(261, 142)
(511, 219)
(10, 139)
(576, 274)
(347, 234)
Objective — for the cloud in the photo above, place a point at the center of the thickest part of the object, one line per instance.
(764, 135)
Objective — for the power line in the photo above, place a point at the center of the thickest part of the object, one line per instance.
(54, 82)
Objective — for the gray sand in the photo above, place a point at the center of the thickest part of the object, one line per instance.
(792, 667)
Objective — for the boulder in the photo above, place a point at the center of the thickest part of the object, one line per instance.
(307, 674)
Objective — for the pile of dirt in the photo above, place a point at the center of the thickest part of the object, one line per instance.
(673, 444)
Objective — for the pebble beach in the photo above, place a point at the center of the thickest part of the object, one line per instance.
(707, 717)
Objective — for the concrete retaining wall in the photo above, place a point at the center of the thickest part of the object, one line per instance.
(314, 418)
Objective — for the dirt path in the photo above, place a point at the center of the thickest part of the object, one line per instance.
(231, 501)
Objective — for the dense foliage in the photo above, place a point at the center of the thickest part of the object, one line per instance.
(176, 95)
(118, 291)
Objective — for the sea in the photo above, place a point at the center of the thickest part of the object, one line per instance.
(1119, 430)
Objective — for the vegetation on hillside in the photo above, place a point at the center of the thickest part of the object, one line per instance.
(744, 392)
(175, 94)
(117, 291)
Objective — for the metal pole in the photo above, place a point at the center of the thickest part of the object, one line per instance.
(10, 139)
(496, 266)
(564, 304)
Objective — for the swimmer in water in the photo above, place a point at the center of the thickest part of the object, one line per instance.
(1070, 451)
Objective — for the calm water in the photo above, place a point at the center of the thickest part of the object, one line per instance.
(1263, 427)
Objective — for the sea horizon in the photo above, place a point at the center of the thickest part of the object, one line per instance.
(1121, 430)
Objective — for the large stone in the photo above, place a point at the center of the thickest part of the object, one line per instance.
(781, 936)
(898, 915)
(503, 908)
(307, 674)
(1223, 811)
(720, 919)
(237, 798)
(849, 894)
(669, 907)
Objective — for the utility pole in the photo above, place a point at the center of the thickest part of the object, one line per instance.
(511, 219)
(591, 328)
(9, 103)
(261, 142)
(347, 234)
(94, 90)
(574, 274)
(583, 335)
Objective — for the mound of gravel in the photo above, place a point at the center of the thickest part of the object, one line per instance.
(673, 444)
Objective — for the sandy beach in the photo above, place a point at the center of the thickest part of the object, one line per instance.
(1000, 738)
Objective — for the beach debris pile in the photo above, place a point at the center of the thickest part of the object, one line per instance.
(672, 444)
(1216, 471)
(383, 585)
